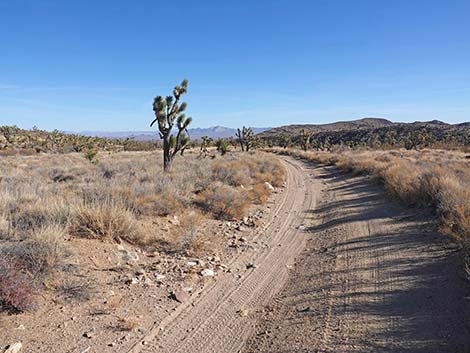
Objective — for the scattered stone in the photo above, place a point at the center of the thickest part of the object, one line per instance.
(175, 221)
(130, 257)
(89, 334)
(269, 186)
(14, 347)
(301, 227)
(323, 250)
(243, 239)
(243, 312)
(159, 277)
(140, 272)
(180, 296)
(21, 327)
(86, 350)
(207, 273)
(133, 280)
(303, 310)
(251, 265)
(191, 263)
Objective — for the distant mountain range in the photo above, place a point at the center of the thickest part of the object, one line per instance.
(195, 133)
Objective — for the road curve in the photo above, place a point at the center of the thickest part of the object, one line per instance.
(374, 277)
(220, 318)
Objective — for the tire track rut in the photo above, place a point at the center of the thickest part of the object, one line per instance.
(220, 317)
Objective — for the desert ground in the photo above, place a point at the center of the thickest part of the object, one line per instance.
(287, 251)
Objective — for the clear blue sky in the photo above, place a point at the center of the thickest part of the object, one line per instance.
(96, 65)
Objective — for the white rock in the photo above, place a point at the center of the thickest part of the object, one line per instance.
(269, 186)
(207, 273)
(128, 256)
(175, 221)
(191, 263)
(14, 347)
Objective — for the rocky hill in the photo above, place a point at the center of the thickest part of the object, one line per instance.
(373, 132)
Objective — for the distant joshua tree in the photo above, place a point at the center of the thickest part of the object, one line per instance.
(205, 143)
(247, 139)
(167, 110)
(285, 140)
(305, 137)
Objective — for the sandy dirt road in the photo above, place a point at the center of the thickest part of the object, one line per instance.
(374, 277)
(339, 267)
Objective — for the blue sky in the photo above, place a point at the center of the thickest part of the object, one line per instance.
(96, 65)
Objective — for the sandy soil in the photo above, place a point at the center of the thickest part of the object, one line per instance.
(332, 266)
(374, 277)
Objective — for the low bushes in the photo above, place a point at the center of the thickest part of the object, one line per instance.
(223, 201)
(25, 265)
(428, 178)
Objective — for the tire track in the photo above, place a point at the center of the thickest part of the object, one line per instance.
(374, 277)
(215, 320)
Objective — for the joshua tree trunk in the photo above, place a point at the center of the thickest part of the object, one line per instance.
(166, 154)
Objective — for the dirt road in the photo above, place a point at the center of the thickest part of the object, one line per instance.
(338, 268)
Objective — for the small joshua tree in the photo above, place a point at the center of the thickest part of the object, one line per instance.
(305, 137)
(205, 143)
(223, 146)
(167, 111)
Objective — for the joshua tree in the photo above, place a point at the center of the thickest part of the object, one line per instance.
(205, 143)
(305, 137)
(246, 138)
(167, 110)
(285, 140)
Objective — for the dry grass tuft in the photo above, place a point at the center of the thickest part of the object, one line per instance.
(223, 201)
(105, 221)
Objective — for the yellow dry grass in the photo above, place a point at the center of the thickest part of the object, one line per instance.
(426, 178)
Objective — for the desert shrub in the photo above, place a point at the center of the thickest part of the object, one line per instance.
(190, 238)
(60, 176)
(16, 290)
(270, 170)
(42, 253)
(231, 172)
(76, 289)
(223, 201)
(259, 194)
(105, 221)
(29, 216)
(162, 204)
(90, 154)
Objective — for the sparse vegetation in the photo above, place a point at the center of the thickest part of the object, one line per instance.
(49, 200)
(428, 178)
